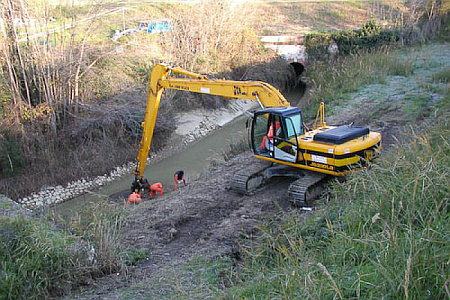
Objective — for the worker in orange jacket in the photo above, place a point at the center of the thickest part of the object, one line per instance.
(134, 198)
(154, 188)
(270, 133)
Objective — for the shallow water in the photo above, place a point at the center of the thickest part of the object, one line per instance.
(194, 160)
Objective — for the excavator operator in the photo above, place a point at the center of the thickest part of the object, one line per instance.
(268, 139)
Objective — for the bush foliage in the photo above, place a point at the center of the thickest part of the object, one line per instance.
(370, 37)
(11, 158)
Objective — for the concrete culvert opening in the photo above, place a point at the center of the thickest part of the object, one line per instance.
(298, 68)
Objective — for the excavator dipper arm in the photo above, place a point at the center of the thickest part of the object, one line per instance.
(261, 92)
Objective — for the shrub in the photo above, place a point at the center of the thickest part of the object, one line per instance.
(370, 37)
(34, 259)
(11, 158)
(443, 76)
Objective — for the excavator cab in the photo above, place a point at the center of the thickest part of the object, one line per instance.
(274, 133)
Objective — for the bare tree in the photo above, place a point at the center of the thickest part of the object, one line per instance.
(43, 68)
(210, 30)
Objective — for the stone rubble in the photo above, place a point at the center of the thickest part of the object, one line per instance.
(56, 194)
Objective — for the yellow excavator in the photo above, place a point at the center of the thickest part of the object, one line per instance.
(278, 135)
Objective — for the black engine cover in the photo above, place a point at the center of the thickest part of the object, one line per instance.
(341, 134)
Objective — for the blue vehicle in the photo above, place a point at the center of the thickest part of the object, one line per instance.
(157, 26)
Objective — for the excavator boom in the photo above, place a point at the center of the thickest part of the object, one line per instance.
(261, 92)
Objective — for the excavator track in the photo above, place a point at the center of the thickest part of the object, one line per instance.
(306, 188)
(249, 180)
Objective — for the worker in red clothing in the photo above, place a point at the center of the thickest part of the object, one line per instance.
(179, 178)
(134, 198)
(154, 188)
(270, 133)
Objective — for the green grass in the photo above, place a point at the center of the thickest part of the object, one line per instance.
(417, 105)
(198, 278)
(442, 76)
(133, 257)
(213, 271)
(443, 103)
(6, 205)
(39, 259)
(34, 259)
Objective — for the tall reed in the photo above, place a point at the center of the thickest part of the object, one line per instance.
(34, 259)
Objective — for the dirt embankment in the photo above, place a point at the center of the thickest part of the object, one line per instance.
(206, 218)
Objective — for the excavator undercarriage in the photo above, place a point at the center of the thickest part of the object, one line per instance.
(307, 185)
